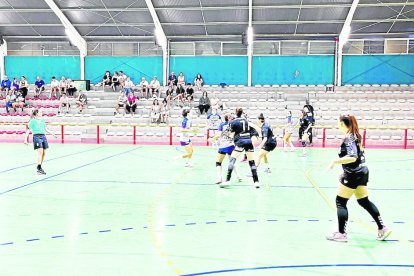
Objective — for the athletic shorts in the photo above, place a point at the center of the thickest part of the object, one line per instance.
(40, 141)
(269, 146)
(185, 143)
(244, 145)
(353, 180)
(227, 150)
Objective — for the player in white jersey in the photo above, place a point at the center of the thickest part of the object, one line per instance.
(226, 147)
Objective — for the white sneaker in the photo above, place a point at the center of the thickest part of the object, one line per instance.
(383, 233)
(225, 184)
(188, 165)
(257, 185)
(218, 181)
(267, 170)
(339, 237)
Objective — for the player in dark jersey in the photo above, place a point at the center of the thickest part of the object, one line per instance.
(353, 180)
(268, 143)
(306, 123)
(254, 135)
(243, 142)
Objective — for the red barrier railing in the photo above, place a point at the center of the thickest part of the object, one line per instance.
(170, 136)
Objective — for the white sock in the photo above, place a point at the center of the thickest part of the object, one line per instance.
(291, 145)
(218, 170)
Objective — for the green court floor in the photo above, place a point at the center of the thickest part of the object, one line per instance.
(132, 210)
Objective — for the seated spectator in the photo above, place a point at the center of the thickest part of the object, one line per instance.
(63, 104)
(169, 97)
(20, 101)
(215, 102)
(198, 82)
(15, 86)
(204, 103)
(181, 83)
(115, 81)
(5, 86)
(107, 79)
(155, 111)
(63, 85)
(10, 100)
(71, 87)
(81, 101)
(24, 86)
(155, 87)
(39, 87)
(128, 86)
(172, 80)
(120, 103)
(122, 78)
(189, 93)
(165, 111)
(54, 84)
(144, 86)
(131, 103)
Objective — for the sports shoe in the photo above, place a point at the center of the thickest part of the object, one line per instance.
(218, 181)
(225, 184)
(244, 160)
(383, 233)
(267, 170)
(257, 185)
(339, 237)
(41, 171)
(188, 165)
(239, 179)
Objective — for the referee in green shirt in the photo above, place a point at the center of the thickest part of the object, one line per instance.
(38, 127)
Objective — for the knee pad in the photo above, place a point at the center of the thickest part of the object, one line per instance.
(252, 165)
(341, 202)
(231, 163)
(218, 164)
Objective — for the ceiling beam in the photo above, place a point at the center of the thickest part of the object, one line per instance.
(71, 31)
(197, 8)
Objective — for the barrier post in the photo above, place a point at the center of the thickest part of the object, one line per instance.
(135, 135)
(208, 136)
(97, 135)
(364, 138)
(405, 138)
(171, 133)
(323, 137)
(62, 133)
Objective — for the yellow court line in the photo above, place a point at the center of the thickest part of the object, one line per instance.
(150, 221)
(333, 207)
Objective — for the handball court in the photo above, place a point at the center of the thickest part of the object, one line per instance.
(133, 210)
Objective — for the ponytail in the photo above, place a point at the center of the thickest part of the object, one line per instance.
(351, 123)
(34, 113)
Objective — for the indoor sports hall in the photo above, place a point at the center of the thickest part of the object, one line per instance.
(205, 137)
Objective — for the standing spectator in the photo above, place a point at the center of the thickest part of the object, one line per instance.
(63, 85)
(132, 103)
(120, 103)
(165, 110)
(155, 86)
(71, 88)
(63, 104)
(39, 87)
(23, 86)
(204, 103)
(155, 111)
(143, 86)
(5, 86)
(20, 101)
(54, 84)
(181, 83)
(81, 101)
(172, 80)
(10, 100)
(128, 86)
(215, 102)
(107, 79)
(115, 81)
(198, 82)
